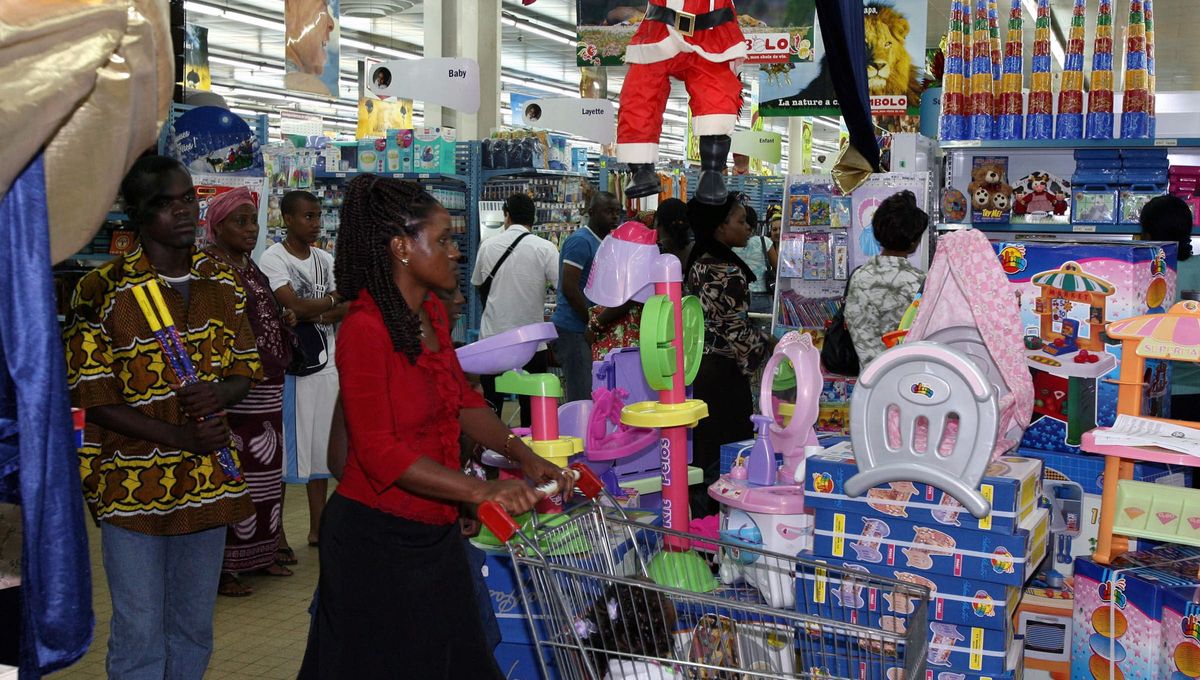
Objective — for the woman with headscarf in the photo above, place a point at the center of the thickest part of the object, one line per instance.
(256, 543)
(734, 347)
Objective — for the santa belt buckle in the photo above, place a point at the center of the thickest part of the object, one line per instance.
(689, 19)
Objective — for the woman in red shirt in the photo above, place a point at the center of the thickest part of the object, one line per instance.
(395, 594)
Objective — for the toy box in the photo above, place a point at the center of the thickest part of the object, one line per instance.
(1119, 628)
(520, 662)
(371, 154)
(1011, 484)
(832, 659)
(1087, 470)
(989, 193)
(1044, 619)
(1069, 292)
(1180, 655)
(963, 601)
(433, 150)
(399, 152)
(932, 548)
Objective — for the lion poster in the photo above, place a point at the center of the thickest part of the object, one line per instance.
(895, 31)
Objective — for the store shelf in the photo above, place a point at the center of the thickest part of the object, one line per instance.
(413, 176)
(1049, 228)
(1037, 144)
(528, 172)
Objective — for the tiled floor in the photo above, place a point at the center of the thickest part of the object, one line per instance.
(260, 637)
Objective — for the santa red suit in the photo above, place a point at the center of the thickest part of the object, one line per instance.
(706, 62)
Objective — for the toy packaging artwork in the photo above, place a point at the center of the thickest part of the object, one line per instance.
(933, 548)
(1041, 197)
(989, 193)
(1011, 484)
(1069, 292)
(1135, 619)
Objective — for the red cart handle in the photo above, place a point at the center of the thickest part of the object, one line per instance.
(500, 523)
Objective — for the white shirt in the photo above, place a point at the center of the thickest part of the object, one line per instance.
(518, 294)
(310, 278)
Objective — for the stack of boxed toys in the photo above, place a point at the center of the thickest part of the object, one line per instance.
(974, 568)
(1136, 619)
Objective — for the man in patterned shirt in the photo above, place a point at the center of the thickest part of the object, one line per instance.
(882, 289)
(150, 476)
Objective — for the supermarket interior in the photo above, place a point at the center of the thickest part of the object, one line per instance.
(705, 339)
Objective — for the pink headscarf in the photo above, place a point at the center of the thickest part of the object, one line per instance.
(220, 207)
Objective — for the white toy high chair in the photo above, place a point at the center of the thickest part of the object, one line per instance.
(937, 408)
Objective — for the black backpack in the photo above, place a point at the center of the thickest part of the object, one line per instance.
(837, 353)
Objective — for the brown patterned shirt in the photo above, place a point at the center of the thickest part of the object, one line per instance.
(724, 293)
(114, 358)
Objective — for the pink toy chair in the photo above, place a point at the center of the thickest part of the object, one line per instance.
(957, 393)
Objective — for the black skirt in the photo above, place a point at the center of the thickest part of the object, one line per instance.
(395, 600)
(721, 384)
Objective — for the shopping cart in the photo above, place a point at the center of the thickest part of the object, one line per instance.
(595, 614)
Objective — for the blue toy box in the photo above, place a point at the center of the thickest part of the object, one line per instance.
(1122, 614)
(1008, 559)
(830, 660)
(962, 601)
(1069, 292)
(1013, 485)
(519, 662)
(1087, 470)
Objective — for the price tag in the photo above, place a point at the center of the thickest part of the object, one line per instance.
(1166, 142)
(1083, 228)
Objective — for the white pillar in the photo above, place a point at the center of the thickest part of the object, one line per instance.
(467, 29)
(795, 133)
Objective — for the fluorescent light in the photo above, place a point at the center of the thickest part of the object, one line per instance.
(527, 27)
(239, 64)
(378, 49)
(557, 89)
(232, 15)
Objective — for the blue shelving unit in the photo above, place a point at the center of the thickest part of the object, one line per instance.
(1055, 228)
(1169, 142)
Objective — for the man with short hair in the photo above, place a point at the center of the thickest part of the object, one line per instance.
(572, 348)
(148, 461)
(521, 266)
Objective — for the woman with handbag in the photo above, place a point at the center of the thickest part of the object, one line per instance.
(302, 278)
(256, 543)
(734, 346)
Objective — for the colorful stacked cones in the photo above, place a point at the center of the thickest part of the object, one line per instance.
(1041, 99)
(1011, 109)
(1135, 116)
(981, 107)
(1148, 10)
(1070, 97)
(997, 52)
(954, 81)
(1100, 97)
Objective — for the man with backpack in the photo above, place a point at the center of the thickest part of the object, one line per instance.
(513, 272)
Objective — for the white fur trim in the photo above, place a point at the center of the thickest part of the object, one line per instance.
(641, 152)
(676, 5)
(714, 124)
(673, 44)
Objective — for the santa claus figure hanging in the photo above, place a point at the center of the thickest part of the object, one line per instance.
(700, 43)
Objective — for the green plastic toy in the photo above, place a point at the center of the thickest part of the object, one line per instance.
(657, 333)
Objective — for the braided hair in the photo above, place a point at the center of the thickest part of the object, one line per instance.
(375, 211)
(705, 220)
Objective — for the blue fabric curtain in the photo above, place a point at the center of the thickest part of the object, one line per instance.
(845, 40)
(39, 466)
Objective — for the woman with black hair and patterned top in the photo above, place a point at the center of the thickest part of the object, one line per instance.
(395, 593)
(734, 347)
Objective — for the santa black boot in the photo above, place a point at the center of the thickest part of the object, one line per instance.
(644, 181)
(714, 154)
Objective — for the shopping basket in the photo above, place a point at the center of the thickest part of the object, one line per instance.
(595, 614)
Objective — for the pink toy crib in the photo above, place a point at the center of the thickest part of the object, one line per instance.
(956, 393)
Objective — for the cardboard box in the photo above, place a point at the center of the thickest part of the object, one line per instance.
(433, 150)
(1087, 470)
(1119, 618)
(963, 601)
(1009, 559)
(1013, 485)
(830, 660)
(399, 152)
(1069, 292)
(1044, 618)
(371, 153)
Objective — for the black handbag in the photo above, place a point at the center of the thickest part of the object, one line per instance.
(310, 349)
(837, 352)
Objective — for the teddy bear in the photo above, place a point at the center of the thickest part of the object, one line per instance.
(1001, 198)
(980, 195)
(990, 174)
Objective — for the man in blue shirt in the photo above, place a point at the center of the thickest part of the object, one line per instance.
(571, 312)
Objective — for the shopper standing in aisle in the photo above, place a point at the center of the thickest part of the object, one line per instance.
(395, 594)
(756, 254)
(149, 471)
(571, 311)
(302, 277)
(1168, 218)
(512, 272)
(257, 421)
(674, 232)
(881, 290)
(734, 347)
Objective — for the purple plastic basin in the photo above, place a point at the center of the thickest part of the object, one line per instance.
(507, 351)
